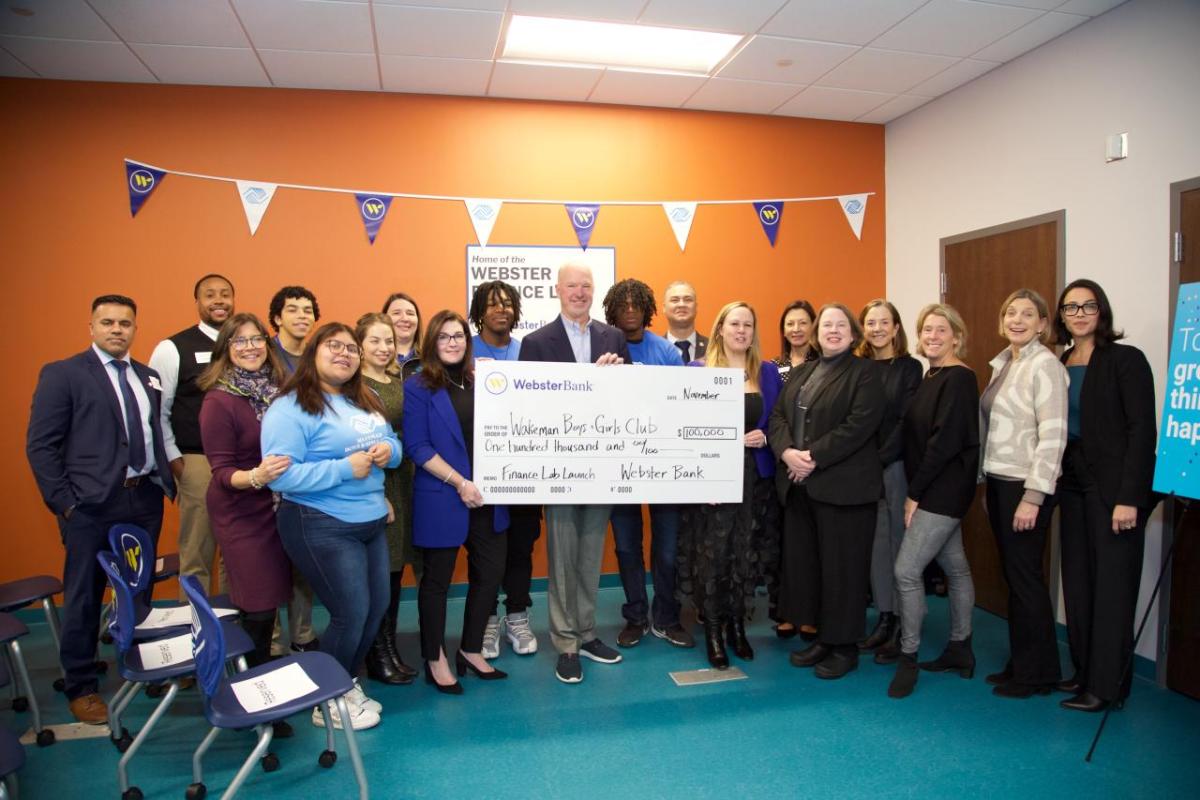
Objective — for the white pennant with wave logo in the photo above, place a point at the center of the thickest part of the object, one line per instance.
(680, 215)
(256, 196)
(854, 206)
(483, 215)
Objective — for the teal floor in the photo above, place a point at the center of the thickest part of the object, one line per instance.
(629, 732)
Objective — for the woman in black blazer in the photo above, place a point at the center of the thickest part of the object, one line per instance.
(1105, 493)
(824, 429)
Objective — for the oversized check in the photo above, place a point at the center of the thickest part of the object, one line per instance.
(550, 433)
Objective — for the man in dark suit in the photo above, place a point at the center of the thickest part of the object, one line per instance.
(679, 307)
(575, 533)
(95, 444)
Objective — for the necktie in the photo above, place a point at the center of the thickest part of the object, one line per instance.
(685, 347)
(133, 420)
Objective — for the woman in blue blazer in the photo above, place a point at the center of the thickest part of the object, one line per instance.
(727, 549)
(448, 512)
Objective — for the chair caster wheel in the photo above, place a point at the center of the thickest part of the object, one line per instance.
(132, 793)
(156, 690)
(102, 666)
(59, 684)
(270, 762)
(20, 705)
(196, 791)
(327, 759)
(45, 737)
(123, 741)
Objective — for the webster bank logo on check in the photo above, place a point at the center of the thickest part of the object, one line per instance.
(551, 385)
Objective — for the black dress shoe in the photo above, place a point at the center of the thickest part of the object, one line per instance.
(1021, 691)
(839, 662)
(461, 665)
(444, 688)
(811, 655)
(735, 637)
(715, 644)
(1003, 676)
(1069, 685)
(785, 633)
(1086, 701)
(808, 635)
(884, 629)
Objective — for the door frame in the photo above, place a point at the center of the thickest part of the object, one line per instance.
(1058, 217)
(1169, 517)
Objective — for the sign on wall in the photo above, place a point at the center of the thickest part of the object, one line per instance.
(1177, 467)
(533, 271)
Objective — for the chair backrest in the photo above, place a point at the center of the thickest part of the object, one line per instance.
(121, 618)
(136, 551)
(208, 639)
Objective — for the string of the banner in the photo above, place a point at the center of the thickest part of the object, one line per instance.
(513, 201)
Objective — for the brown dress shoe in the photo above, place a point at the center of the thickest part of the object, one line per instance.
(90, 709)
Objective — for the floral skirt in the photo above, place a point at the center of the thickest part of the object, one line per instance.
(727, 550)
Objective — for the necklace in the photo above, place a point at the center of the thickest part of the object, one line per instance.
(460, 384)
(933, 371)
(497, 354)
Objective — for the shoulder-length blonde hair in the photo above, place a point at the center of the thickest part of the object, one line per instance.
(899, 342)
(716, 355)
(222, 362)
(953, 318)
(1039, 303)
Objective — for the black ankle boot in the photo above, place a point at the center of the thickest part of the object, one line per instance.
(905, 679)
(957, 657)
(889, 651)
(380, 667)
(715, 644)
(735, 637)
(884, 629)
(388, 633)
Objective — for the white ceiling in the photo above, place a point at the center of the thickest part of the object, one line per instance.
(862, 60)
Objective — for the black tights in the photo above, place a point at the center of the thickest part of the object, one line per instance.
(259, 625)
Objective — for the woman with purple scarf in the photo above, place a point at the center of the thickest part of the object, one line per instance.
(240, 383)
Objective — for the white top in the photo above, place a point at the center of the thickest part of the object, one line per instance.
(165, 361)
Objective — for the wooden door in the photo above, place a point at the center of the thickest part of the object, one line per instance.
(979, 271)
(1183, 638)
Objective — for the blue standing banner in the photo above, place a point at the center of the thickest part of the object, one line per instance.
(1177, 467)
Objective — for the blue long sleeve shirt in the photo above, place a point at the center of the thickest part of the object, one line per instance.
(320, 475)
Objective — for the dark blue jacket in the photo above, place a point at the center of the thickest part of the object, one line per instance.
(550, 343)
(431, 428)
(770, 384)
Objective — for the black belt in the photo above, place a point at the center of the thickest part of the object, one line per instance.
(133, 483)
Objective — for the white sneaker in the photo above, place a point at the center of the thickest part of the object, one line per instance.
(357, 697)
(520, 636)
(491, 638)
(360, 718)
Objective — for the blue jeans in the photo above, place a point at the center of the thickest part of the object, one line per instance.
(627, 534)
(347, 565)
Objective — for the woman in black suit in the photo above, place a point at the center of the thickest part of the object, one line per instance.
(1105, 493)
(824, 429)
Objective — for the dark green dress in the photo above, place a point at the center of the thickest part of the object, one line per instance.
(398, 482)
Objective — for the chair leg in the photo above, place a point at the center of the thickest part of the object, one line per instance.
(116, 707)
(360, 774)
(22, 674)
(8, 788)
(265, 732)
(198, 756)
(155, 716)
(12, 684)
(52, 619)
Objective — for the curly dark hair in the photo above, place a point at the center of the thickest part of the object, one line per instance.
(484, 293)
(282, 296)
(629, 292)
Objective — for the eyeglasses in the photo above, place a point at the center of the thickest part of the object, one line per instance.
(1090, 308)
(447, 338)
(336, 346)
(242, 342)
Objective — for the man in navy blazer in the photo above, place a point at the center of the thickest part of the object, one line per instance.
(575, 533)
(95, 444)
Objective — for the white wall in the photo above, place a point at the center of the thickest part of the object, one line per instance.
(1028, 138)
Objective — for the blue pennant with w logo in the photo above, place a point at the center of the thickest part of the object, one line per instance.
(141, 181)
(770, 213)
(373, 208)
(583, 219)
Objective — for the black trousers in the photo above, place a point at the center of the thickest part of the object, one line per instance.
(485, 565)
(1101, 573)
(84, 535)
(524, 528)
(826, 564)
(1032, 644)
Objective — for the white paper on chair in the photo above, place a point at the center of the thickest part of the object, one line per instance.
(158, 565)
(273, 688)
(165, 652)
(179, 615)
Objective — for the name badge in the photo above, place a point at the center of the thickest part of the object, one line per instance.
(154, 384)
(203, 358)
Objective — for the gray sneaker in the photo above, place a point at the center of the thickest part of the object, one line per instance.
(597, 650)
(520, 636)
(569, 670)
(491, 638)
(674, 634)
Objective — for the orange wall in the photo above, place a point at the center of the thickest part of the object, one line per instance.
(67, 235)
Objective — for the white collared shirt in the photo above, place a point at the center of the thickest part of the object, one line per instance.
(143, 401)
(165, 361)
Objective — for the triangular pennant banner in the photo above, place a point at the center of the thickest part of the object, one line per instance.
(483, 215)
(769, 214)
(256, 196)
(680, 215)
(373, 208)
(854, 206)
(142, 181)
(583, 219)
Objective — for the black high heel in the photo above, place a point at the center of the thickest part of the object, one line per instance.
(453, 688)
(462, 665)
